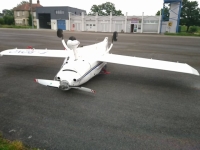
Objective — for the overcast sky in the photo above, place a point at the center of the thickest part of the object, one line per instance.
(133, 7)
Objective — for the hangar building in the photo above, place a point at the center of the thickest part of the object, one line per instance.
(55, 17)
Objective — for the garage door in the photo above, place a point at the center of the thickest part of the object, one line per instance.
(104, 27)
(90, 26)
(61, 24)
(118, 27)
(45, 21)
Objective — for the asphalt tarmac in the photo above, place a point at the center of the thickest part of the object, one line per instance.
(134, 108)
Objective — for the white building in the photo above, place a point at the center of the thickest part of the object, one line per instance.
(81, 22)
(127, 24)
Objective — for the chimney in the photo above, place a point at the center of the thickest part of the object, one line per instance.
(38, 1)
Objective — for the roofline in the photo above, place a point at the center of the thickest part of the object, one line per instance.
(34, 6)
(59, 7)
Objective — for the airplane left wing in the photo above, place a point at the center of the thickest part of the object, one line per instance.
(36, 52)
(148, 63)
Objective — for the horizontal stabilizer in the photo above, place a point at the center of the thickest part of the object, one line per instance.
(148, 63)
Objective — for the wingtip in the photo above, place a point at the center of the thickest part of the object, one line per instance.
(195, 72)
(35, 80)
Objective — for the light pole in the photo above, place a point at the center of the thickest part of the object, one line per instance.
(31, 12)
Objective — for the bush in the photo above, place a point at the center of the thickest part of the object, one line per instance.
(9, 20)
(30, 19)
(193, 29)
(1, 21)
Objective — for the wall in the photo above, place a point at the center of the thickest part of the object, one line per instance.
(54, 25)
(38, 26)
(21, 18)
(150, 28)
(67, 24)
(58, 13)
(21, 14)
(110, 23)
(164, 27)
(114, 23)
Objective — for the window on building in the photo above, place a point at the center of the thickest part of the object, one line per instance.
(152, 21)
(75, 13)
(23, 13)
(93, 24)
(34, 14)
(59, 12)
(18, 14)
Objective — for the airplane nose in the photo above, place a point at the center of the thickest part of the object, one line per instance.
(67, 78)
(64, 85)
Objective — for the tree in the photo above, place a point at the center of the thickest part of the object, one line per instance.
(30, 19)
(166, 14)
(190, 14)
(8, 17)
(22, 2)
(1, 21)
(9, 20)
(7, 12)
(193, 29)
(105, 9)
(166, 11)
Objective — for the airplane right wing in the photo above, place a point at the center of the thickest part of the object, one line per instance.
(148, 63)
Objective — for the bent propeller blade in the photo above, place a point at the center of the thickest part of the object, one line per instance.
(50, 83)
(85, 89)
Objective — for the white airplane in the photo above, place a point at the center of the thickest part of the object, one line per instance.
(83, 63)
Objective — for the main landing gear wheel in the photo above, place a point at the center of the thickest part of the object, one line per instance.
(104, 71)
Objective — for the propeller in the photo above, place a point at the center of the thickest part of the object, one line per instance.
(84, 89)
(50, 83)
(64, 85)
